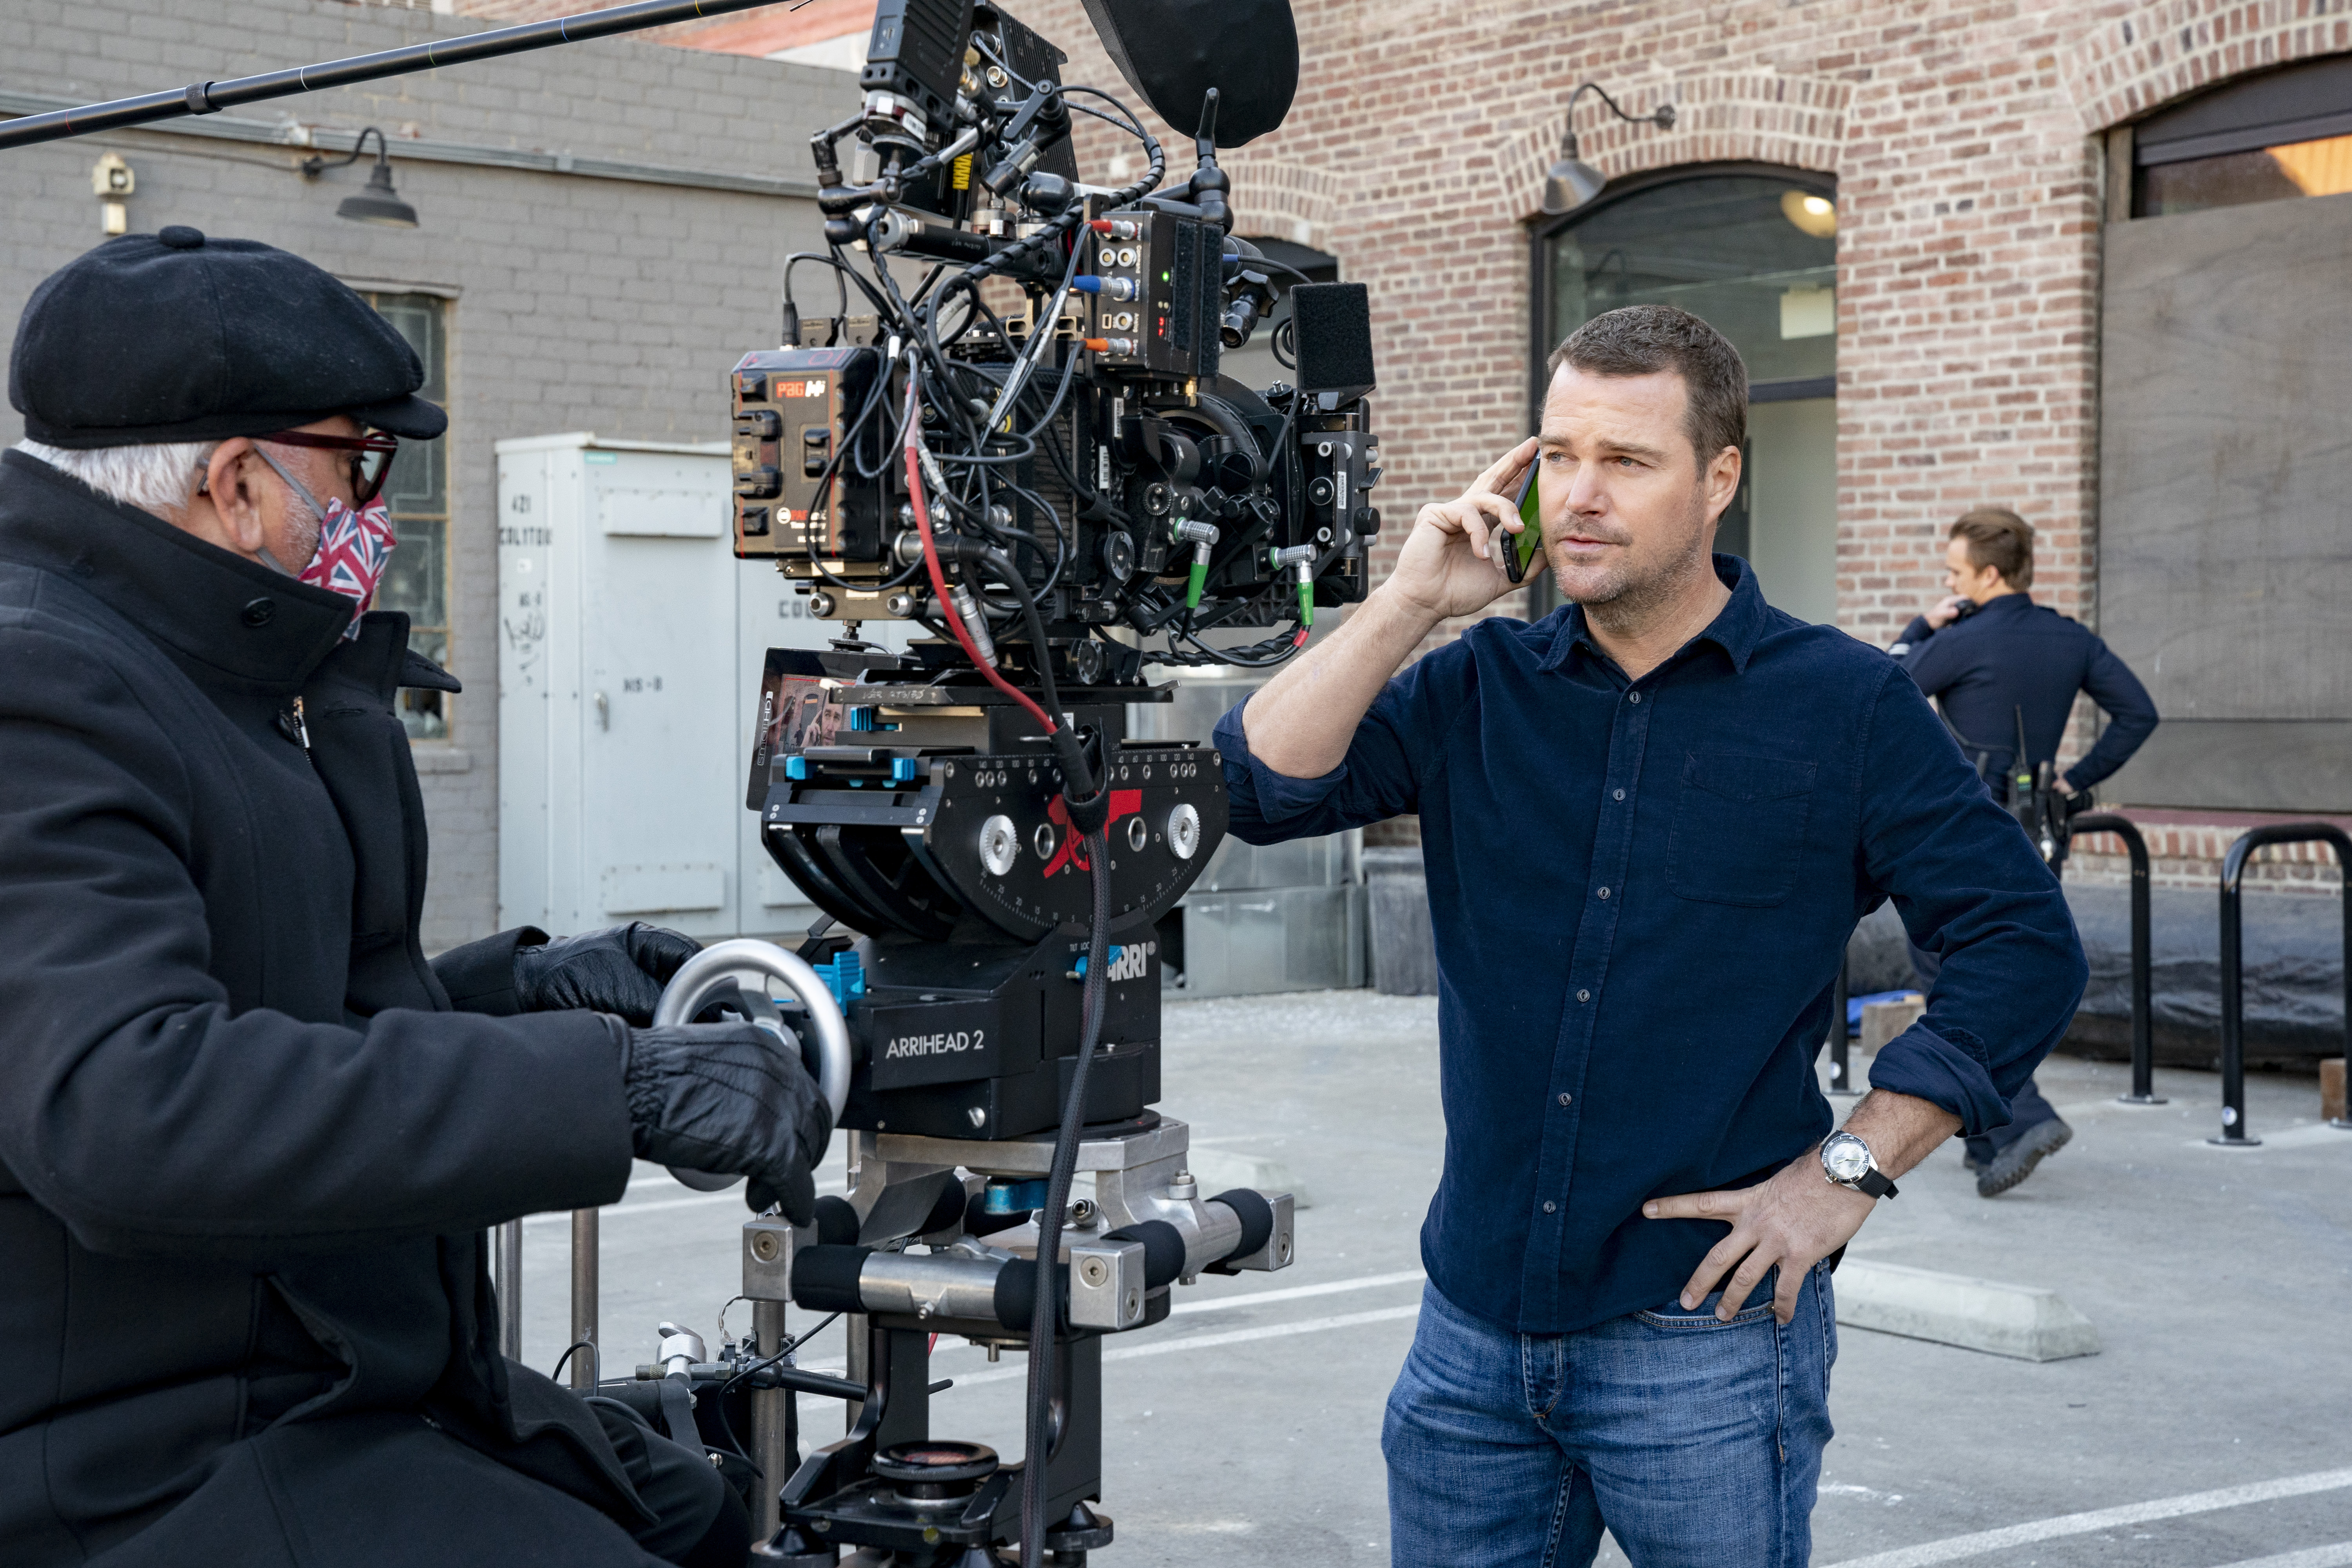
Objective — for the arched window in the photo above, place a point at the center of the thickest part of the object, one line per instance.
(2267, 138)
(1751, 249)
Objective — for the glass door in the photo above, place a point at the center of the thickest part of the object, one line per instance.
(1753, 252)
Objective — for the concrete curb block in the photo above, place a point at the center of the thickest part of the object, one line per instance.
(1954, 1309)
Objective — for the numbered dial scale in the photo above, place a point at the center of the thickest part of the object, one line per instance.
(985, 834)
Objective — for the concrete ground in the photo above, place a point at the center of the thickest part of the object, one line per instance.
(1246, 1431)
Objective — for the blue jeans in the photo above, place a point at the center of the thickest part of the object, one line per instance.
(1696, 1444)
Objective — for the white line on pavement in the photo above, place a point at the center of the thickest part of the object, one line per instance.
(2335, 1556)
(1299, 1293)
(1954, 1548)
(1205, 1341)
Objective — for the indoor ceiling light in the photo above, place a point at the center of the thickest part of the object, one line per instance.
(379, 203)
(1816, 216)
(1571, 181)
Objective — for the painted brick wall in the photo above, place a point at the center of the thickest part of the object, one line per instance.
(579, 304)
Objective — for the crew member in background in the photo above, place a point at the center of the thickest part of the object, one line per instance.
(1651, 821)
(249, 1138)
(1992, 659)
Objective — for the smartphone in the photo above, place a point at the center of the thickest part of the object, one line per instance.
(1519, 549)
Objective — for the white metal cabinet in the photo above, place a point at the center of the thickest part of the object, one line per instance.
(630, 648)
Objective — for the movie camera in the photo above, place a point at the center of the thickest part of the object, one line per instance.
(1014, 432)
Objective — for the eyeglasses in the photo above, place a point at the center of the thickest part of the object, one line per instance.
(371, 459)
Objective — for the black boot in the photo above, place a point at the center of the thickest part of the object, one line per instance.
(2016, 1163)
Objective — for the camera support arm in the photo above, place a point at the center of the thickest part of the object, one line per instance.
(212, 96)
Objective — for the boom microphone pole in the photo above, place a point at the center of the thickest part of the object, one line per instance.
(212, 96)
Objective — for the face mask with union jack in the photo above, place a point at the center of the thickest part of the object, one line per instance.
(355, 546)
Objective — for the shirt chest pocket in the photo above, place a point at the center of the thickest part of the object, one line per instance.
(1739, 828)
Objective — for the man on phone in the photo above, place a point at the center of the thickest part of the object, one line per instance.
(1651, 821)
(2000, 666)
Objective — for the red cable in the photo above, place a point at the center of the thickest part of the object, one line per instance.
(938, 577)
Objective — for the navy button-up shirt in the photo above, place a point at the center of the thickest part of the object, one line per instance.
(1640, 891)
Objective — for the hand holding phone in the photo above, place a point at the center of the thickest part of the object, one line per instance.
(1519, 549)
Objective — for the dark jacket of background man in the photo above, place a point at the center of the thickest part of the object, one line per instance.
(198, 908)
(2011, 656)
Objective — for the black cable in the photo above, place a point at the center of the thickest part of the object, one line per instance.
(1045, 1312)
(1264, 655)
(595, 1361)
(727, 1387)
(846, 447)
(881, 306)
(1027, 449)
(840, 280)
(1028, 604)
(1284, 332)
(1061, 538)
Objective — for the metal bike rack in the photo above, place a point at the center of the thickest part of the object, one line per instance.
(2143, 1023)
(1840, 1069)
(2233, 998)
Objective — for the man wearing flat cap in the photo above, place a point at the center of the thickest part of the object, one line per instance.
(249, 1137)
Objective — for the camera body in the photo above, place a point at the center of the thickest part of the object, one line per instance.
(1122, 492)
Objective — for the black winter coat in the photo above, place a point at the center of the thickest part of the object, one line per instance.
(247, 1150)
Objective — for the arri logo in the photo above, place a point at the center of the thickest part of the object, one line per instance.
(1132, 961)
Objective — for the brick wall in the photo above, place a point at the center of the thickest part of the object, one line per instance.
(1965, 139)
(1969, 205)
(577, 303)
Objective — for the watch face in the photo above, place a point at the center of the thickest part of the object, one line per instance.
(1846, 1157)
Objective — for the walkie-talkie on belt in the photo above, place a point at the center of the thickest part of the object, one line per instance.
(2046, 816)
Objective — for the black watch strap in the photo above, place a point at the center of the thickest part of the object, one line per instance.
(1874, 1184)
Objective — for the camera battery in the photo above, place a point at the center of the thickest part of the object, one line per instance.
(795, 490)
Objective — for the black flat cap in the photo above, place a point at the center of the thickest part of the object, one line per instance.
(175, 337)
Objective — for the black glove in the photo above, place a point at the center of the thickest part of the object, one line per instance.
(620, 971)
(727, 1098)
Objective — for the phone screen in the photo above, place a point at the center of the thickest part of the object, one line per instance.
(1521, 548)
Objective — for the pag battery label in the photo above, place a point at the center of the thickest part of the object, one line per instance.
(932, 1042)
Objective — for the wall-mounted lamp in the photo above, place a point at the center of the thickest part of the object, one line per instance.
(1812, 214)
(112, 182)
(379, 203)
(1572, 182)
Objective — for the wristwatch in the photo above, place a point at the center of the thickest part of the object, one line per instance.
(1847, 1160)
